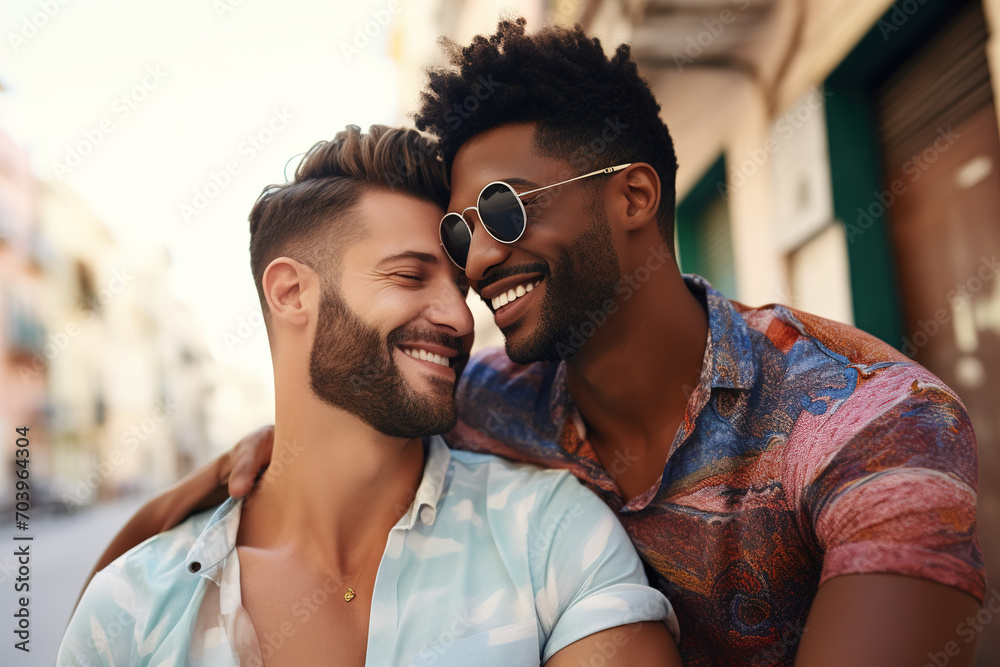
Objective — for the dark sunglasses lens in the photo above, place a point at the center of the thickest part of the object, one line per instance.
(455, 238)
(501, 212)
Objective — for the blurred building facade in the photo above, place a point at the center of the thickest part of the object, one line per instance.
(22, 331)
(109, 372)
(838, 156)
(127, 368)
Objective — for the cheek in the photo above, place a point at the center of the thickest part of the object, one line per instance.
(554, 229)
(391, 314)
(383, 306)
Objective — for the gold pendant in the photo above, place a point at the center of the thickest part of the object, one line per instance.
(349, 595)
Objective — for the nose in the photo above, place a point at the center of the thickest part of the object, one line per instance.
(485, 252)
(450, 311)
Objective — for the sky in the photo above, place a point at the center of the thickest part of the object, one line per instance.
(169, 118)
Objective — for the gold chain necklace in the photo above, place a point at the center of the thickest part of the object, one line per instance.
(349, 595)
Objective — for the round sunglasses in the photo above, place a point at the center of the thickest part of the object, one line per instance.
(502, 213)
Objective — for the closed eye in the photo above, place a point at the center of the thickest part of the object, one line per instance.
(540, 201)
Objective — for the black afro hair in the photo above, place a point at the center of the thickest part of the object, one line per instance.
(590, 110)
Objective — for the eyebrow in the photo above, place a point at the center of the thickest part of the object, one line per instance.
(523, 182)
(425, 257)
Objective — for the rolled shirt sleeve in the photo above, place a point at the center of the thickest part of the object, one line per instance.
(587, 575)
(900, 496)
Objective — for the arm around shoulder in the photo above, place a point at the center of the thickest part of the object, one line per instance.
(201, 489)
(231, 474)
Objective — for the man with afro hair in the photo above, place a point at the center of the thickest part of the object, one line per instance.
(799, 487)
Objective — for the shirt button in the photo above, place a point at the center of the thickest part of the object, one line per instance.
(427, 515)
(194, 566)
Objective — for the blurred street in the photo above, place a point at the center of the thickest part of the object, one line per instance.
(65, 547)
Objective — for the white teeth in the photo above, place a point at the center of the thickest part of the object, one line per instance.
(428, 356)
(506, 297)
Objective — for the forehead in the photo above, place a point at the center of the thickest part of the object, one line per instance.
(395, 223)
(505, 153)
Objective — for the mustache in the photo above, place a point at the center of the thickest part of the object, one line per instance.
(418, 335)
(499, 273)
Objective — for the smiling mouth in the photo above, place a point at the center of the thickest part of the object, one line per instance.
(424, 355)
(514, 293)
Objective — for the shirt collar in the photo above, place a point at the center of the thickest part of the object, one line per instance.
(432, 485)
(218, 539)
(732, 361)
(728, 361)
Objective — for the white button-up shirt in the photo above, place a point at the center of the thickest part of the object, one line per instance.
(495, 563)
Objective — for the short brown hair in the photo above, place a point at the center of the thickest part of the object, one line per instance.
(306, 219)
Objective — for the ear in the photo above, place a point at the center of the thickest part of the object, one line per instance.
(291, 289)
(637, 196)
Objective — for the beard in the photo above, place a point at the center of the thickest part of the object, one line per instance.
(578, 284)
(352, 367)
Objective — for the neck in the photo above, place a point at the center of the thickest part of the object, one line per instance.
(633, 377)
(334, 486)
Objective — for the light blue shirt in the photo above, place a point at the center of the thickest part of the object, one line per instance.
(495, 563)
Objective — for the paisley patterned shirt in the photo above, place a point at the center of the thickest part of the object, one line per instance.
(494, 564)
(808, 450)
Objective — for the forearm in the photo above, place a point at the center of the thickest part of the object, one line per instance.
(233, 473)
